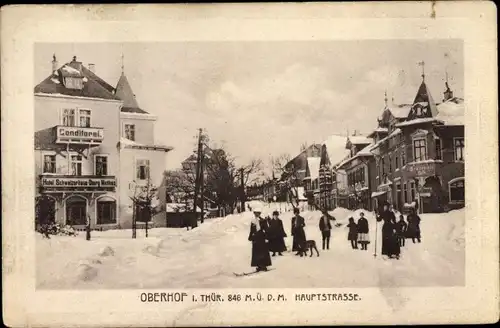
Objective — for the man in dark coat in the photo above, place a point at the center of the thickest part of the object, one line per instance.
(298, 233)
(276, 235)
(413, 230)
(390, 245)
(258, 234)
(325, 227)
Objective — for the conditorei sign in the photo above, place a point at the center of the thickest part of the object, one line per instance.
(421, 169)
(79, 182)
(74, 134)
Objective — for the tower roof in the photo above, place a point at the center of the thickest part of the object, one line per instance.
(125, 93)
(423, 105)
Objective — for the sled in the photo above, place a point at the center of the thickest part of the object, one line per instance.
(250, 273)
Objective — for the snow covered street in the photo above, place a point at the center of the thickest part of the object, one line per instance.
(207, 257)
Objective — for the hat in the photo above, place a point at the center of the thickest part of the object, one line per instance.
(296, 210)
(276, 213)
(257, 210)
(362, 214)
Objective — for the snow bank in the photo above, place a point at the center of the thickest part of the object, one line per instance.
(207, 256)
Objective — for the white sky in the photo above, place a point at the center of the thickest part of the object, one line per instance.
(265, 98)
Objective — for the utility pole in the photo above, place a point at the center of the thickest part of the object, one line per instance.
(197, 181)
(202, 190)
(242, 179)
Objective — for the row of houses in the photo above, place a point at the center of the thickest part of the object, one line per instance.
(414, 157)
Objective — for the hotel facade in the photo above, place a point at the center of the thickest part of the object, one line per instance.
(94, 149)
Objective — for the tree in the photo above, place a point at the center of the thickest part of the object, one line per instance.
(143, 195)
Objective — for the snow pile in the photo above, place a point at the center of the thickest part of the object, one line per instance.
(207, 256)
(70, 70)
(452, 112)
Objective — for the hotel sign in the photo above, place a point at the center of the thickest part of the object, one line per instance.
(75, 182)
(81, 135)
(421, 169)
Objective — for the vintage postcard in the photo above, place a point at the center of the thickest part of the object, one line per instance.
(250, 164)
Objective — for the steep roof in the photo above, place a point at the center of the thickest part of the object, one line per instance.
(335, 148)
(125, 93)
(92, 87)
(358, 140)
(313, 167)
(400, 110)
(423, 105)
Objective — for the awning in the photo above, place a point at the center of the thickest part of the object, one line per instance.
(378, 193)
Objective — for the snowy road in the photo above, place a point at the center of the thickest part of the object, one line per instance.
(208, 256)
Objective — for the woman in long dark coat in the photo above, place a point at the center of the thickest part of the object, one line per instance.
(390, 245)
(258, 234)
(276, 235)
(298, 233)
(413, 230)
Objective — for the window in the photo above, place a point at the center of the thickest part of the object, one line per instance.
(419, 149)
(382, 165)
(142, 169)
(84, 116)
(106, 211)
(457, 190)
(76, 165)
(459, 149)
(412, 190)
(396, 160)
(405, 192)
(68, 117)
(73, 83)
(390, 164)
(101, 165)
(76, 211)
(439, 150)
(403, 157)
(49, 164)
(130, 131)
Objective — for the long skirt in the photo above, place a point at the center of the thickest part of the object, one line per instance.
(299, 237)
(352, 236)
(277, 245)
(260, 254)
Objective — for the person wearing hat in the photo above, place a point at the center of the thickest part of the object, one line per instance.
(390, 245)
(363, 229)
(276, 235)
(325, 227)
(298, 233)
(258, 234)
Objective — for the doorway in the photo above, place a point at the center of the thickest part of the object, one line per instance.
(76, 210)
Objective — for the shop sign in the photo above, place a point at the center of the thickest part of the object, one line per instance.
(82, 135)
(425, 194)
(78, 182)
(421, 169)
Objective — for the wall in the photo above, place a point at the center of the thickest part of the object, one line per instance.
(144, 127)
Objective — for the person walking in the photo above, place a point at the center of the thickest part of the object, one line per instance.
(276, 235)
(352, 235)
(259, 228)
(298, 233)
(413, 230)
(363, 230)
(401, 227)
(325, 227)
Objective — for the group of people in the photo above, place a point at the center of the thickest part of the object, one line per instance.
(267, 234)
(394, 233)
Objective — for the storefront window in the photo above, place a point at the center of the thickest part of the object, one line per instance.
(49, 164)
(459, 149)
(106, 212)
(419, 150)
(76, 211)
(457, 190)
(412, 190)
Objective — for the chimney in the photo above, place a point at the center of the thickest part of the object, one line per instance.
(92, 68)
(448, 94)
(76, 64)
(55, 65)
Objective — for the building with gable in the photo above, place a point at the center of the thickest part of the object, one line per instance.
(94, 148)
(420, 157)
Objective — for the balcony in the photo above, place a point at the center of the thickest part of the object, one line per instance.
(78, 135)
(50, 183)
(423, 169)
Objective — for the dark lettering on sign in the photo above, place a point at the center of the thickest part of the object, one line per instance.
(162, 297)
(327, 297)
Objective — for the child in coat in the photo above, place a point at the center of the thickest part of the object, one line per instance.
(353, 233)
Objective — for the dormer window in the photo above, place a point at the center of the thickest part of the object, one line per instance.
(72, 82)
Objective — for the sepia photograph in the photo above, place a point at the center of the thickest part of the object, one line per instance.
(249, 164)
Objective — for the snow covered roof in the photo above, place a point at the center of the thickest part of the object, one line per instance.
(400, 110)
(335, 148)
(363, 152)
(392, 134)
(313, 164)
(126, 143)
(93, 86)
(452, 111)
(419, 121)
(359, 140)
